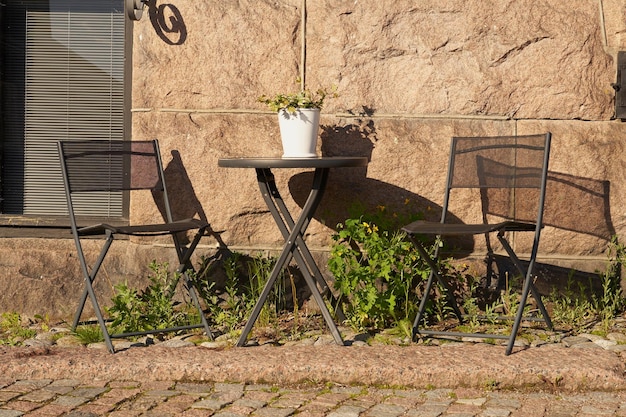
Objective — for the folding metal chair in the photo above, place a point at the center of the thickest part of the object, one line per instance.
(122, 166)
(510, 174)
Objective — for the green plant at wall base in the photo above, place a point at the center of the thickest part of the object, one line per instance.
(89, 334)
(11, 330)
(571, 308)
(152, 308)
(612, 301)
(376, 271)
(387, 218)
(245, 278)
(259, 271)
(576, 307)
(44, 321)
(230, 308)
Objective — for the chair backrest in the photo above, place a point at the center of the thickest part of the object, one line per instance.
(510, 172)
(110, 166)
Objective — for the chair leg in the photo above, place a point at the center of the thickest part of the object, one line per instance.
(527, 288)
(541, 306)
(528, 273)
(101, 322)
(434, 272)
(89, 278)
(423, 301)
(196, 302)
(184, 266)
(520, 312)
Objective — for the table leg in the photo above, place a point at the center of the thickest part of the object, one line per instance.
(285, 223)
(294, 245)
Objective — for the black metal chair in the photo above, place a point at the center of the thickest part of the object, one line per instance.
(509, 173)
(123, 166)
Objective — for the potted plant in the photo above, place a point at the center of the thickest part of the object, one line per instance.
(298, 120)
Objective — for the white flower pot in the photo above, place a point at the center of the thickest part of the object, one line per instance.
(298, 132)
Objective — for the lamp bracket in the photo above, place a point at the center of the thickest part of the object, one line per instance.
(134, 8)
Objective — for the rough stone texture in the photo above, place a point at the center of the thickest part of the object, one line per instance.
(407, 162)
(520, 59)
(614, 16)
(410, 75)
(196, 55)
(47, 279)
(452, 366)
(396, 61)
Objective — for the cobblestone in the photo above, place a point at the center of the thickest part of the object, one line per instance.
(130, 399)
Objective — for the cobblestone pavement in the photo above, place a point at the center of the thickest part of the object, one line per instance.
(75, 398)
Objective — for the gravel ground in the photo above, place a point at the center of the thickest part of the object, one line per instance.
(471, 365)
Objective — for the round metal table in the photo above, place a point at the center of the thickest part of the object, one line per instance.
(293, 231)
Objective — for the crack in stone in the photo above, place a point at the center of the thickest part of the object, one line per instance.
(518, 49)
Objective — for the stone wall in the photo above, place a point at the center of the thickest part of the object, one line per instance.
(409, 74)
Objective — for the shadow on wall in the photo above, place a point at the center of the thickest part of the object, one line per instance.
(579, 204)
(183, 199)
(350, 190)
(572, 203)
(167, 22)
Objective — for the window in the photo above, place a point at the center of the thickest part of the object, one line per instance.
(63, 77)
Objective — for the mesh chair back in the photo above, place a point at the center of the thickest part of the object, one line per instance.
(510, 172)
(102, 165)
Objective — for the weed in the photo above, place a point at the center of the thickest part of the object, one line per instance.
(470, 305)
(490, 385)
(229, 310)
(11, 330)
(376, 271)
(153, 308)
(44, 321)
(259, 271)
(89, 334)
(612, 300)
(571, 308)
(245, 278)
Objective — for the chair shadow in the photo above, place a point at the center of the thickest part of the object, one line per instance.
(184, 201)
(572, 203)
(579, 204)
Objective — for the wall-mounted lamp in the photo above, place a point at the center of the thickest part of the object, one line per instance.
(620, 87)
(134, 8)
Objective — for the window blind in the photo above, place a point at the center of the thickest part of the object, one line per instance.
(64, 78)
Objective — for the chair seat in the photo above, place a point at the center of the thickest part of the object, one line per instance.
(145, 229)
(449, 229)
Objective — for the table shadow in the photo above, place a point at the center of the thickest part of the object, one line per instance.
(350, 193)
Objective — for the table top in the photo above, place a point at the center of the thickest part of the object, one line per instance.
(318, 162)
